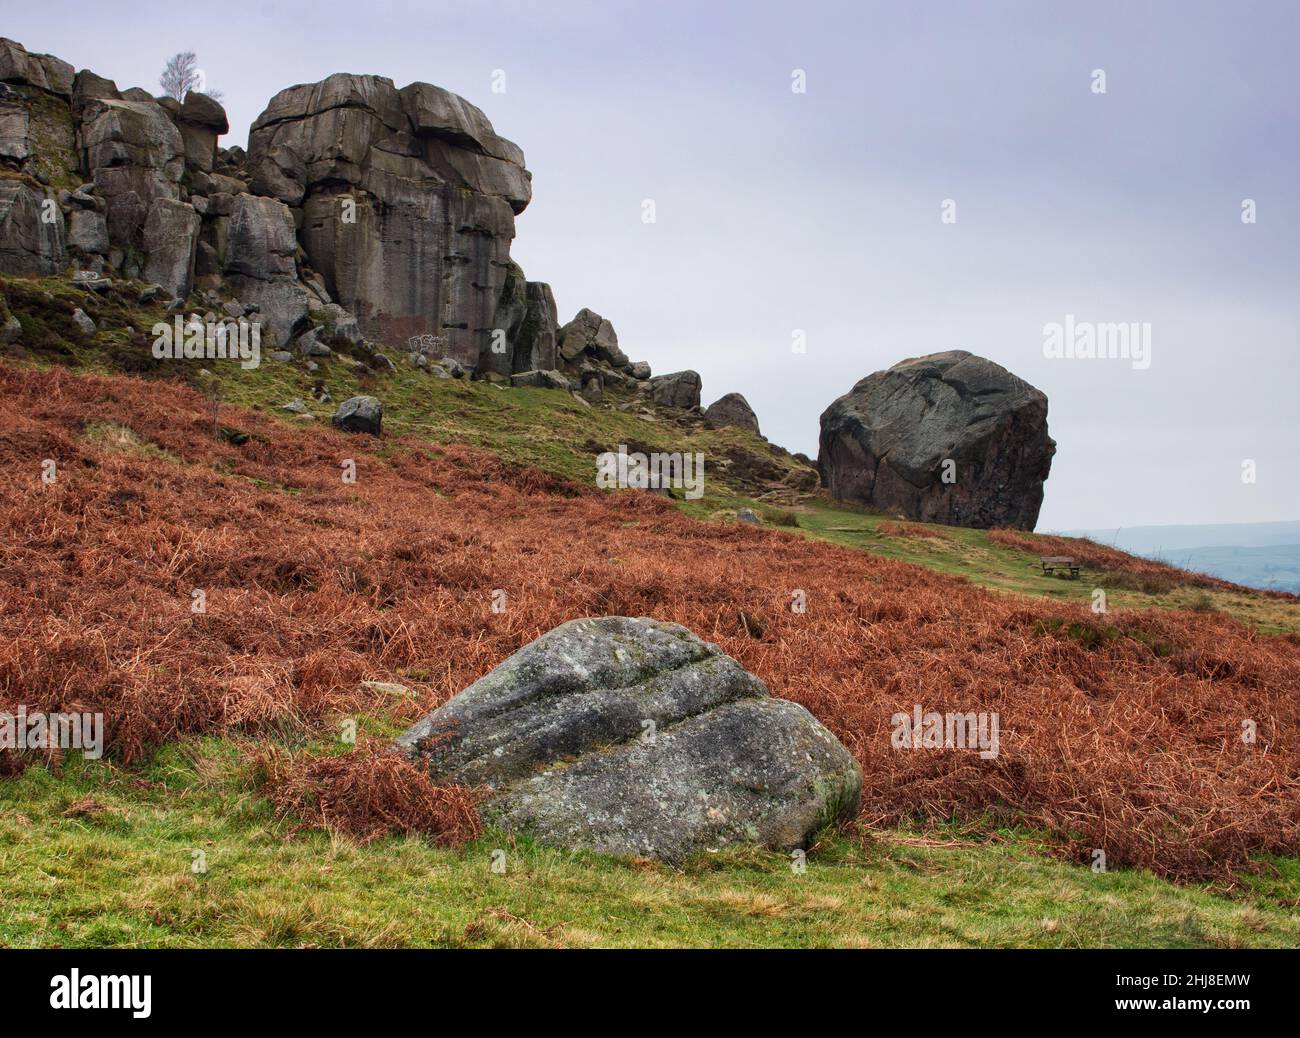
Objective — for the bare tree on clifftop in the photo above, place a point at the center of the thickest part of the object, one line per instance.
(181, 75)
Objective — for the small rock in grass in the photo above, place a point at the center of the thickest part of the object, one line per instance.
(362, 414)
(83, 321)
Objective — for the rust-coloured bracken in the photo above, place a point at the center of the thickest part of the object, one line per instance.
(1120, 732)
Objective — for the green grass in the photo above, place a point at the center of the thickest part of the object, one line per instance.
(121, 874)
(121, 438)
(542, 428)
(970, 554)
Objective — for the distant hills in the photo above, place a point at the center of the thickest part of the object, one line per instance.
(1261, 555)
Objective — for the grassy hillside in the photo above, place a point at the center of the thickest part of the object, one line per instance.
(1011, 564)
(1121, 729)
(559, 434)
(105, 857)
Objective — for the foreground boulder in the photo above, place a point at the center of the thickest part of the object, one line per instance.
(632, 736)
(948, 438)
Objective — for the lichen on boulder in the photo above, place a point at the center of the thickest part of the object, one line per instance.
(633, 736)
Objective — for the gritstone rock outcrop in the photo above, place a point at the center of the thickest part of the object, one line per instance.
(395, 206)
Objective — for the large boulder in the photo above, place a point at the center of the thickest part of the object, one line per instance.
(88, 87)
(88, 232)
(15, 62)
(886, 443)
(364, 414)
(633, 736)
(732, 409)
(283, 305)
(39, 70)
(590, 334)
(679, 389)
(259, 238)
(201, 119)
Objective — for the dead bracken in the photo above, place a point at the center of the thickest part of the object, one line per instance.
(1129, 741)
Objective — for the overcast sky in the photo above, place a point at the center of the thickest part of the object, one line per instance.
(778, 211)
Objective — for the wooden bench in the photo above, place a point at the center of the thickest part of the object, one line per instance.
(1062, 562)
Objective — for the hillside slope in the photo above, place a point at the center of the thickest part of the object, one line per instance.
(560, 434)
(1120, 732)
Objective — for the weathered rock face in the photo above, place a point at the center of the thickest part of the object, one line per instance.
(88, 232)
(43, 71)
(171, 236)
(885, 442)
(15, 129)
(133, 153)
(396, 205)
(511, 314)
(259, 238)
(33, 87)
(408, 202)
(732, 409)
(28, 244)
(253, 246)
(535, 343)
(632, 736)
